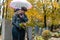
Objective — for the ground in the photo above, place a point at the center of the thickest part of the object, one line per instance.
(55, 38)
(0, 37)
(49, 39)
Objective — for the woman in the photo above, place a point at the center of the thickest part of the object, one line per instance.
(18, 32)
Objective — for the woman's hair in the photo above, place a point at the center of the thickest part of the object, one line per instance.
(22, 8)
(16, 10)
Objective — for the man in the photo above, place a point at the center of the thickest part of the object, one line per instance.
(19, 23)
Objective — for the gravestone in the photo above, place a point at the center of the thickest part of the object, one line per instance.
(6, 30)
(29, 33)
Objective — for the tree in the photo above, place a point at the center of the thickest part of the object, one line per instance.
(40, 8)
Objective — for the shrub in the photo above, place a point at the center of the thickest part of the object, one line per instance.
(46, 34)
(38, 38)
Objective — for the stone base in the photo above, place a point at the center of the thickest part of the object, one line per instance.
(6, 30)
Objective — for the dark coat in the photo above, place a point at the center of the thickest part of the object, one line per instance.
(18, 33)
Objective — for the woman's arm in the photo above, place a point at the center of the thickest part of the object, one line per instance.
(14, 22)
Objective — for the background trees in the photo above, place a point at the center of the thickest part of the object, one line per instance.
(40, 8)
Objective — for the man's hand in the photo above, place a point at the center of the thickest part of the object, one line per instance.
(21, 15)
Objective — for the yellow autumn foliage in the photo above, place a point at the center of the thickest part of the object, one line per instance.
(55, 5)
(8, 10)
(34, 12)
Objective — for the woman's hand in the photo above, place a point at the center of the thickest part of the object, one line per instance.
(24, 24)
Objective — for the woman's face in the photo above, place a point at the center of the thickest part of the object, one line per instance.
(21, 12)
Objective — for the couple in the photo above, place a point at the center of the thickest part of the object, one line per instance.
(19, 19)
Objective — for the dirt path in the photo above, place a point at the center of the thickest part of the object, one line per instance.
(0, 37)
(55, 38)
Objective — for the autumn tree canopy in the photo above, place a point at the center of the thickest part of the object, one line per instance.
(36, 14)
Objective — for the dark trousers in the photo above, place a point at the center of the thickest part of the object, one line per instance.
(18, 34)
